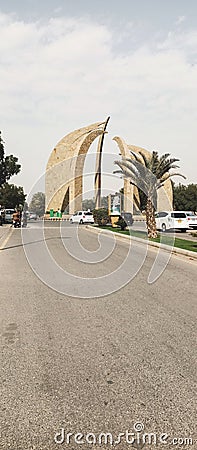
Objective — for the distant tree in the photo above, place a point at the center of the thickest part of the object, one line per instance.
(11, 196)
(88, 203)
(185, 197)
(37, 204)
(104, 202)
(25, 206)
(8, 164)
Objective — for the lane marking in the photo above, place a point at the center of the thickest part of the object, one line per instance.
(3, 244)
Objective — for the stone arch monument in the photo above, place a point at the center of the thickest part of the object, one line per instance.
(64, 172)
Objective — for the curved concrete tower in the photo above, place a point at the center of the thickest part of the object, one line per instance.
(64, 172)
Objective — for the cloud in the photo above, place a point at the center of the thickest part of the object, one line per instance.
(64, 73)
(180, 20)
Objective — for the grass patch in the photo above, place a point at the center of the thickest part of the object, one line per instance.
(167, 240)
(140, 234)
(186, 245)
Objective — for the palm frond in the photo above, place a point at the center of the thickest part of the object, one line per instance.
(154, 161)
(144, 175)
(145, 160)
(165, 164)
(135, 172)
(169, 175)
(127, 166)
(136, 156)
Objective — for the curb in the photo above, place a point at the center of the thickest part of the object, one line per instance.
(56, 219)
(168, 248)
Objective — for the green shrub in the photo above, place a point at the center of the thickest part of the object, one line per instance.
(101, 216)
(121, 223)
(194, 233)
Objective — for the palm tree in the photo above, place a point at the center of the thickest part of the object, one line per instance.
(148, 175)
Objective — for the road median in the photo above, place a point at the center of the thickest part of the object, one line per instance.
(165, 247)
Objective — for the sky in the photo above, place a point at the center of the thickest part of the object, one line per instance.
(66, 64)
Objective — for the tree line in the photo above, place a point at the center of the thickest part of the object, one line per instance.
(11, 196)
(185, 197)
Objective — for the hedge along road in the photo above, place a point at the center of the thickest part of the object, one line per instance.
(99, 364)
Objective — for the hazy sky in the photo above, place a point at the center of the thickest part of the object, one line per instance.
(67, 64)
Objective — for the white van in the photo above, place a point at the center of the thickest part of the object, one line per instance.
(8, 215)
(168, 220)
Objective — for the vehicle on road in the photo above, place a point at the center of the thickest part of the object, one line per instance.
(32, 216)
(171, 220)
(127, 216)
(191, 219)
(16, 223)
(8, 215)
(82, 217)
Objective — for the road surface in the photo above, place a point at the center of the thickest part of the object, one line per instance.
(97, 365)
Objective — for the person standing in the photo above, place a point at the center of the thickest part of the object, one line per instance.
(16, 218)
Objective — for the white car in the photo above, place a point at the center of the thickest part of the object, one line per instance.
(32, 216)
(82, 217)
(191, 219)
(8, 213)
(168, 220)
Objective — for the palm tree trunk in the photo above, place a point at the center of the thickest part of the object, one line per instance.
(150, 219)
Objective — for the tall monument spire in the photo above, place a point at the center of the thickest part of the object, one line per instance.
(97, 181)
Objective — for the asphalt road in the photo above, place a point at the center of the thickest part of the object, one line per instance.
(94, 365)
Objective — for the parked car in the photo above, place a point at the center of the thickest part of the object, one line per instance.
(167, 220)
(191, 219)
(8, 213)
(82, 217)
(127, 216)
